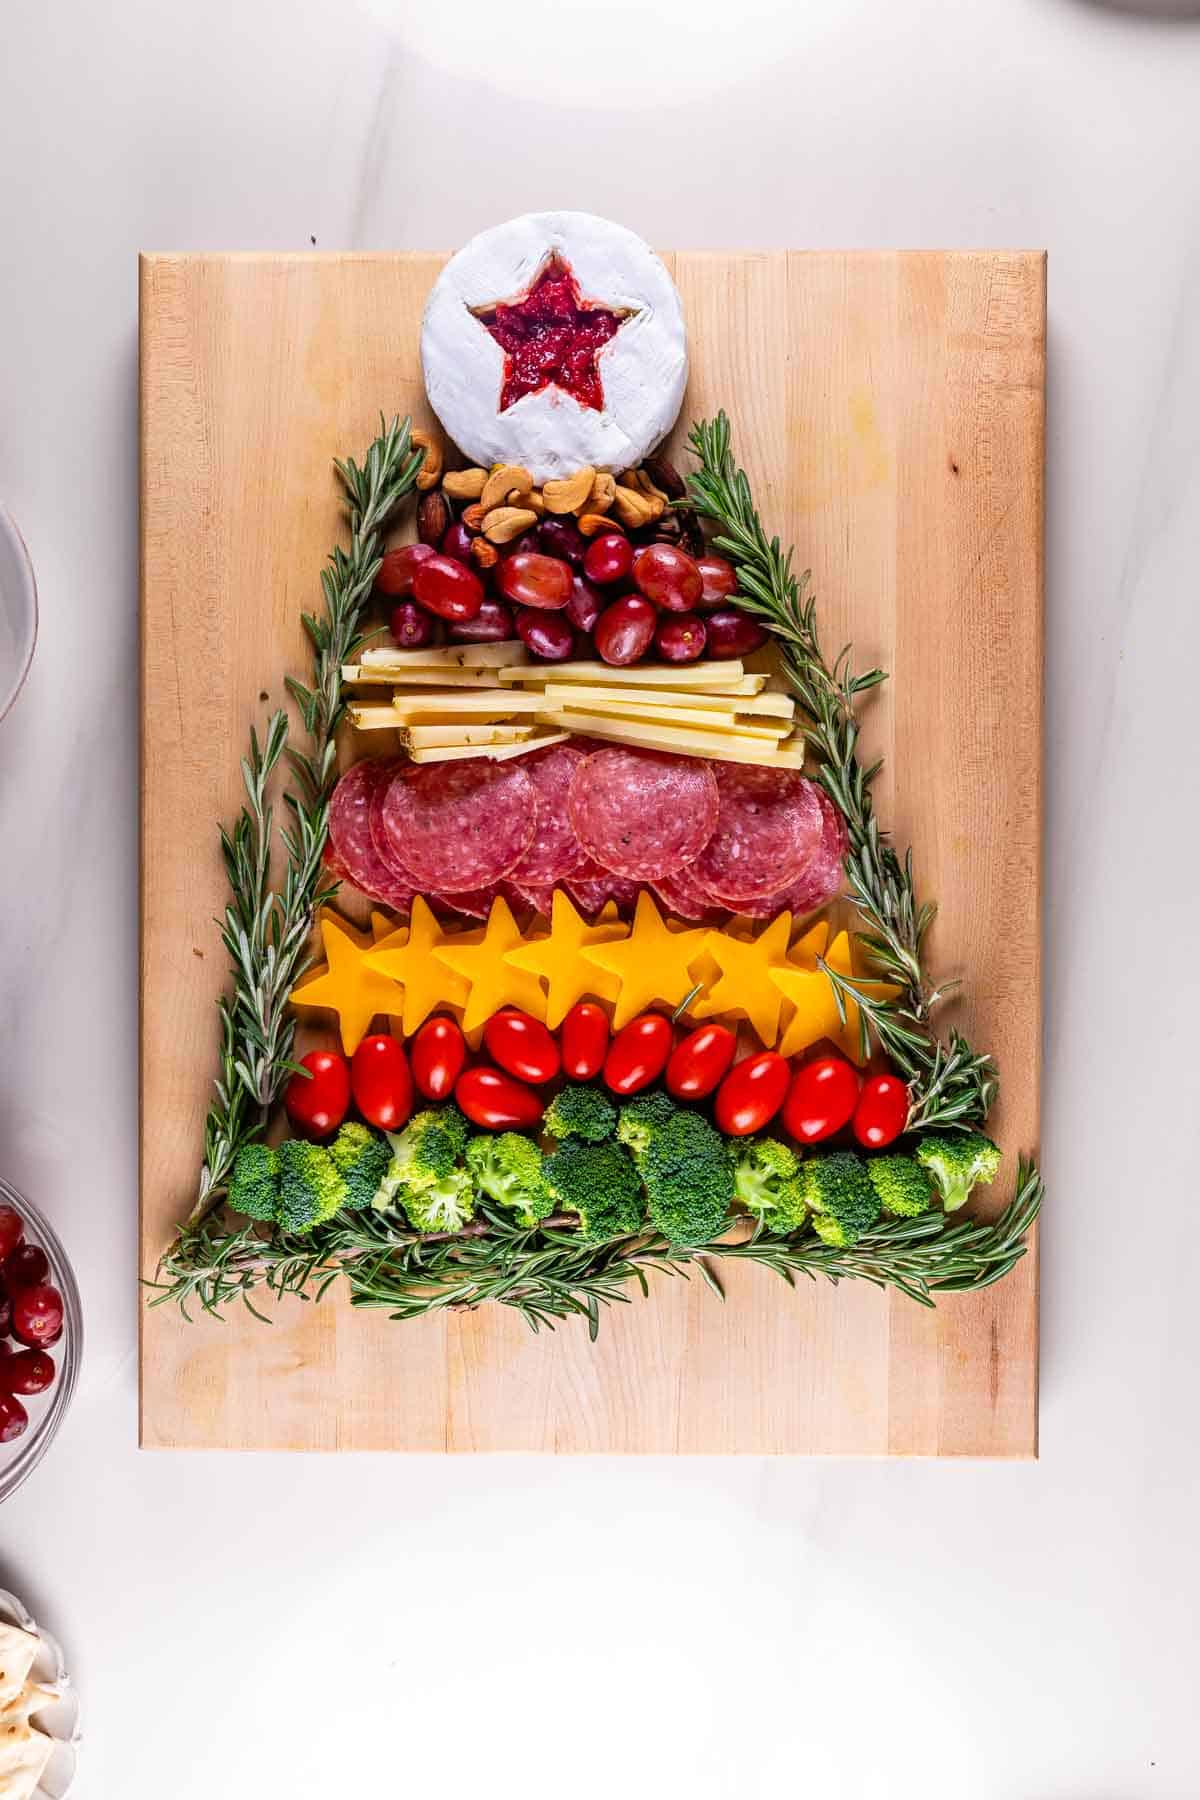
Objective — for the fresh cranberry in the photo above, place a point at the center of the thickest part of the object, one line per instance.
(28, 1372)
(26, 1267)
(14, 1420)
(12, 1229)
(37, 1316)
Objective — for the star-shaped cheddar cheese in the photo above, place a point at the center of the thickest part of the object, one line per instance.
(558, 960)
(804, 982)
(388, 935)
(743, 985)
(491, 980)
(652, 964)
(427, 983)
(348, 985)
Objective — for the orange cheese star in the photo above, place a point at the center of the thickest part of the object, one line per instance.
(427, 983)
(484, 969)
(743, 985)
(651, 964)
(558, 961)
(814, 997)
(390, 936)
(347, 985)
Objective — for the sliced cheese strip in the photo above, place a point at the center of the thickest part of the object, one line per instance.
(17, 1652)
(429, 737)
(775, 706)
(508, 654)
(724, 676)
(374, 718)
(462, 678)
(627, 707)
(683, 742)
(494, 752)
(433, 708)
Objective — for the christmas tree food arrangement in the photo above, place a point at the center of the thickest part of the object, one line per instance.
(644, 984)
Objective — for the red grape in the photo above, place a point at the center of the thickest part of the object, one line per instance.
(533, 580)
(13, 1418)
(524, 545)
(719, 577)
(680, 637)
(456, 543)
(12, 1229)
(398, 569)
(668, 576)
(412, 626)
(28, 1372)
(491, 625)
(449, 589)
(609, 558)
(26, 1267)
(624, 631)
(585, 604)
(733, 633)
(545, 634)
(562, 538)
(37, 1315)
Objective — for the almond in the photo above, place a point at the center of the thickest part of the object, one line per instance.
(433, 518)
(592, 522)
(483, 554)
(473, 516)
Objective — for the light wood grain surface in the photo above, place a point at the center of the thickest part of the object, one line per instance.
(889, 408)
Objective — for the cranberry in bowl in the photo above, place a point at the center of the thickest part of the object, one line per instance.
(41, 1337)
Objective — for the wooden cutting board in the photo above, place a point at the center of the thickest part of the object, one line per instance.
(889, 409)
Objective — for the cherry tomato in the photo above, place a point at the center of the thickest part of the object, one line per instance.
(13, 1418)
(638, 1054)
(12, 1229)
(438, 1053)
(821, 1099)
(28, 1372)
(26, 1267)
(751, 1094)
(38, 1316)
(318, 1102)
(521, 1045)
(495, 1100)
(699, 1061)
(380, 1082)
(882, 1111)
(584, 1037)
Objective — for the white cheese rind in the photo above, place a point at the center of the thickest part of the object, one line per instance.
(643, 368)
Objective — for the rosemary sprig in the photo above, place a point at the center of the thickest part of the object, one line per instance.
(547, 1274)
(949, 1083)
(266, 931)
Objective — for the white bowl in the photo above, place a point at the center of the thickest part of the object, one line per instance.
(18, 612)
(59, 1721)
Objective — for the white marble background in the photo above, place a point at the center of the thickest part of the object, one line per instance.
(266, 1626)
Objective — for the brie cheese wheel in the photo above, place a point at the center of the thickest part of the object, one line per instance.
(18, 1651)
(555, 341)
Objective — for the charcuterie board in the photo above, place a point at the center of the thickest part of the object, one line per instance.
(889, 411)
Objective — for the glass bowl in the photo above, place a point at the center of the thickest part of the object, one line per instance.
(46, 1411)
(18, 612)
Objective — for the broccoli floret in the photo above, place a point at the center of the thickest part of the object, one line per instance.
(843, 1202)
(641, 1118)
(425, 1152)
(600, 1183)
(508, 1167)
(687, 1168)
(766, 1179)
(581, 1112)
(903, 1187)
(362, 1158)
(254, 1184)
(443, 1205)
(310, 1187)
(956, 1162)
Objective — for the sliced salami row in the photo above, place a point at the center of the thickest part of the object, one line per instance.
(710, 838)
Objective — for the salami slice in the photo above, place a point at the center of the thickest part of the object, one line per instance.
(379, 787)
(459, 825)
(683, 896)
(351, 843)
(820, 879)
(474, 903)
(768, 826)
(539, 899)
(642, 814)
(555, 851)
(592, 891)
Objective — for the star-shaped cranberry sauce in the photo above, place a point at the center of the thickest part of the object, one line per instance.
(550, 338)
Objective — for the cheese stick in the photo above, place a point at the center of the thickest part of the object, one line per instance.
(724, 676)
(508, 654)
(438, 708)
(775, 706)
(721, 723)
(494, 752)
(429, 737)
(681, 741)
